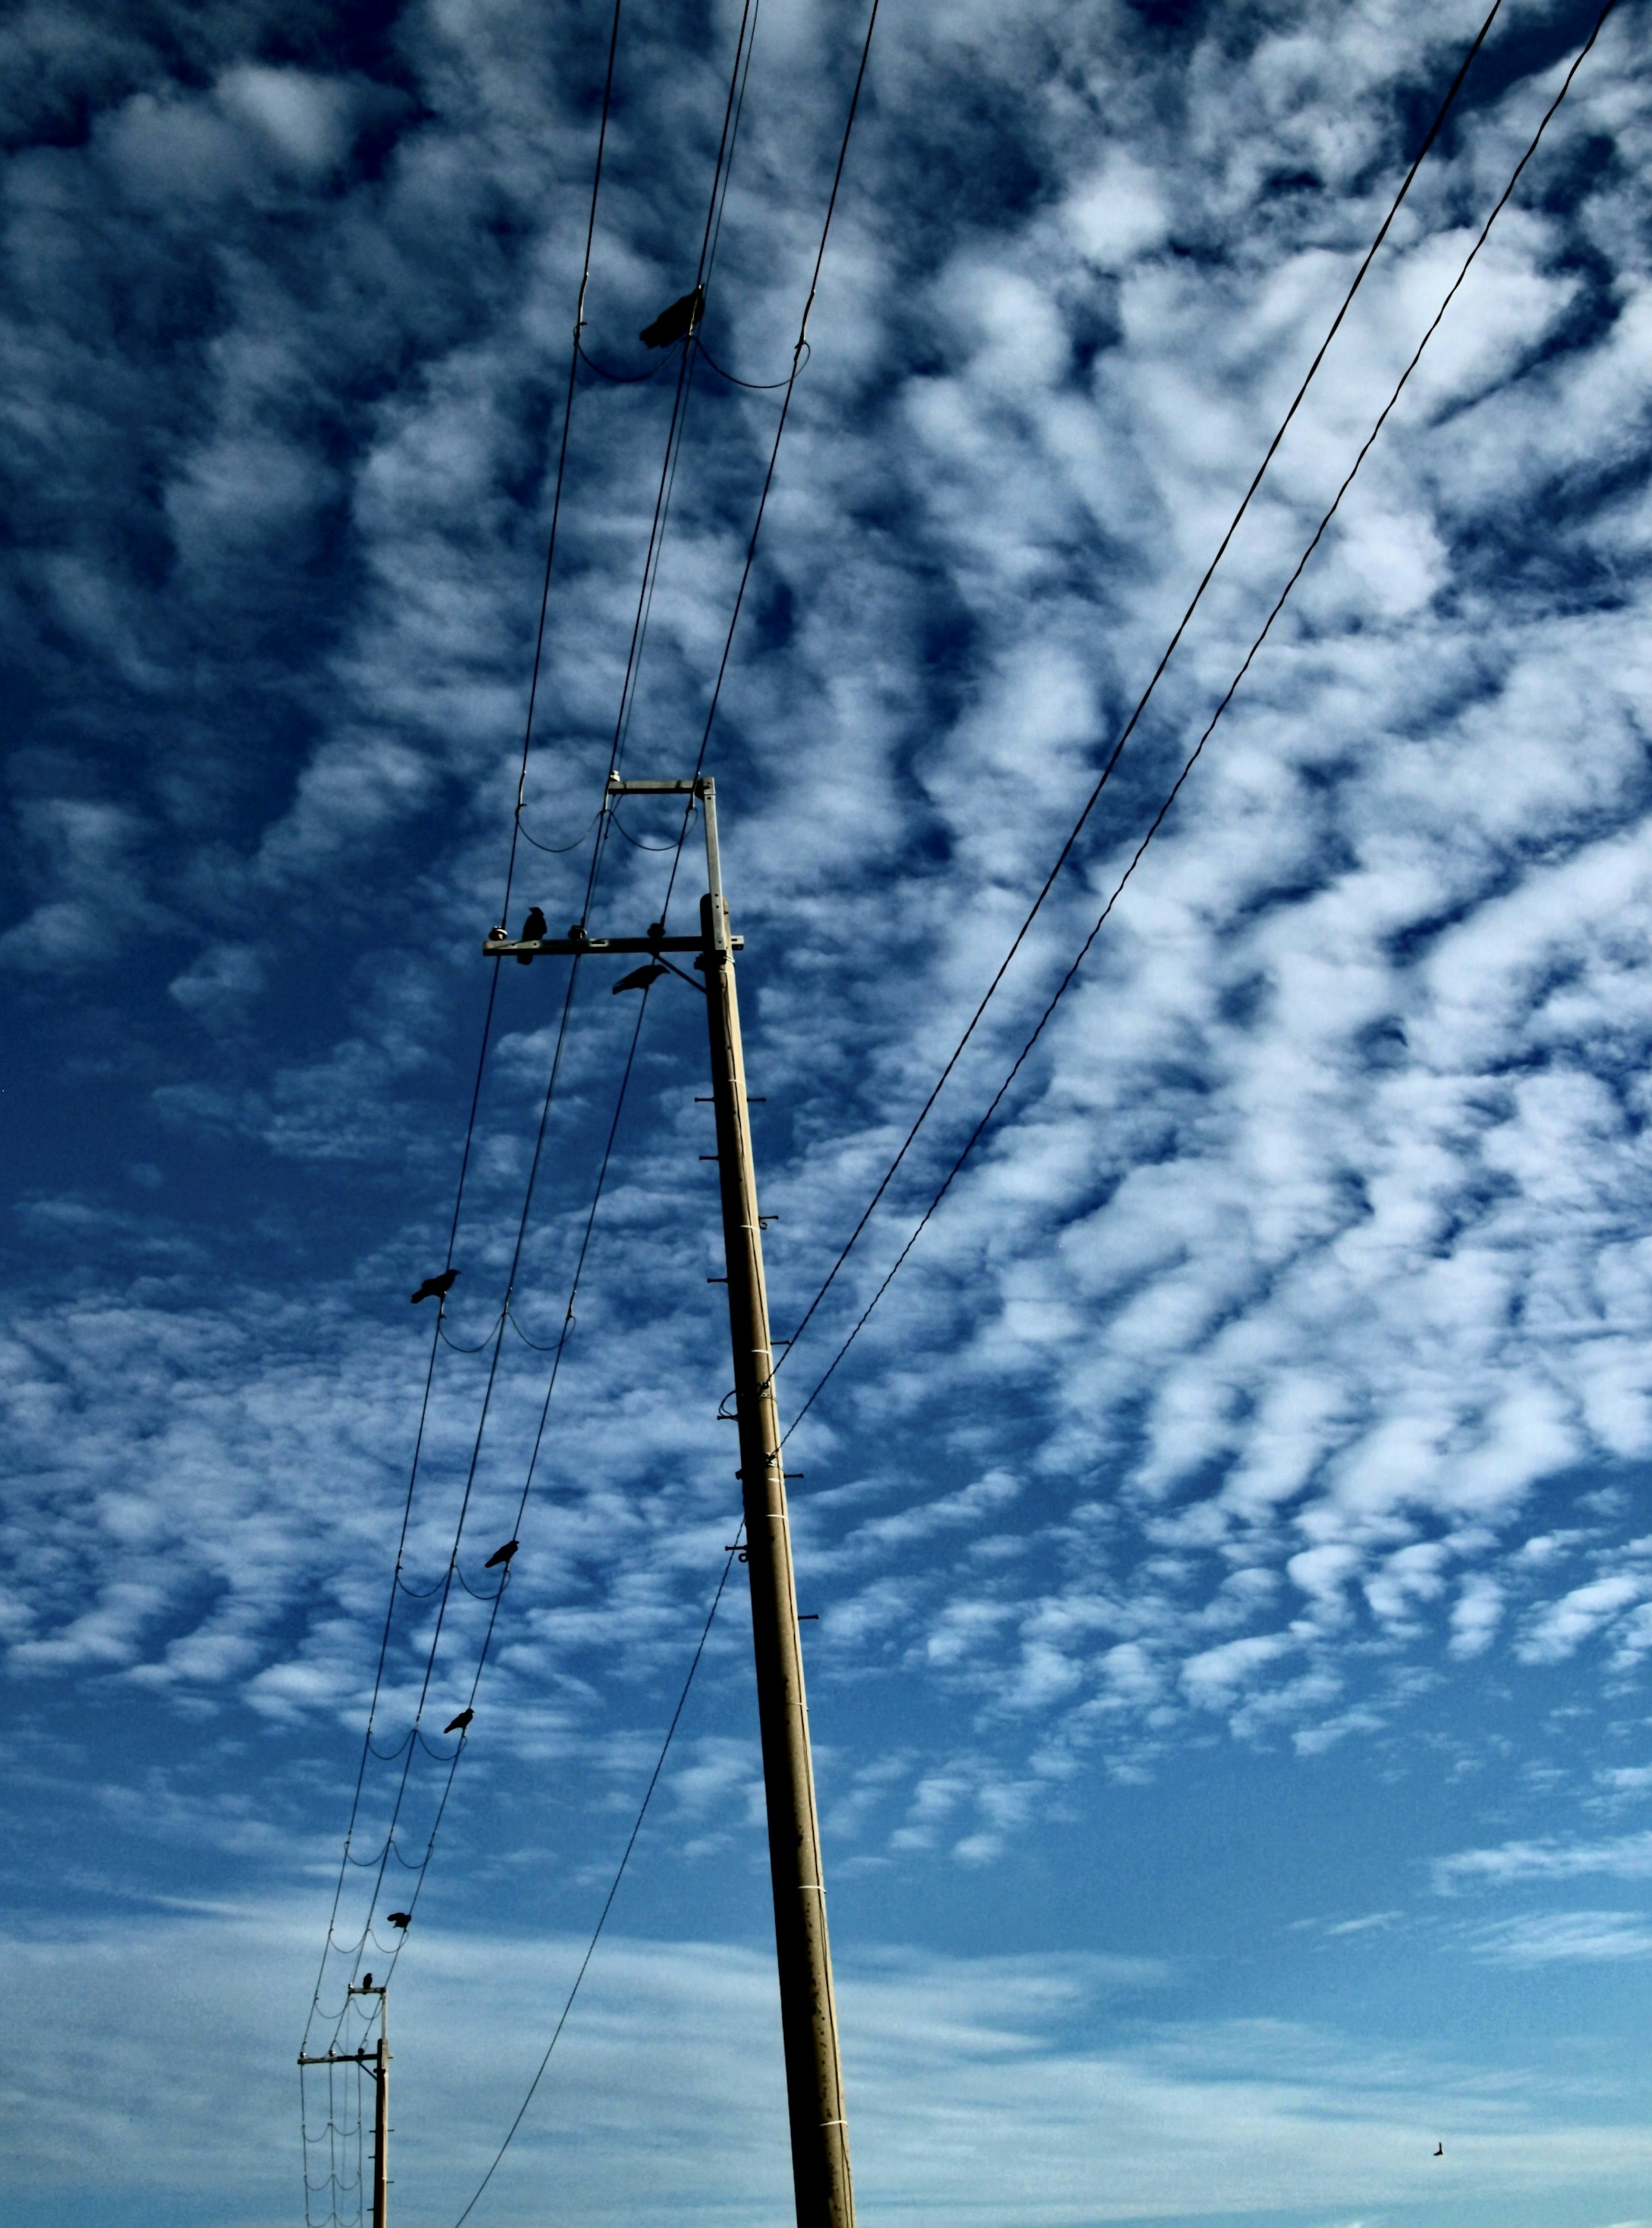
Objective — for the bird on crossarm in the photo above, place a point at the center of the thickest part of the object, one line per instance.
(533, 929)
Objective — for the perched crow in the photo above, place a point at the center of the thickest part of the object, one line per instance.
(366, 1982)
(533, 929)
(401, 1918)
(501, 1555)
(459, 1722)
(639, 978)
(673, 324)
(435, 1288)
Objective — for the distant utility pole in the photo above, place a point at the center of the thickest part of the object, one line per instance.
(820, 2156)
(377, 2062)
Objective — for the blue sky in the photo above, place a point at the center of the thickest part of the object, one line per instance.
(1230, 1536)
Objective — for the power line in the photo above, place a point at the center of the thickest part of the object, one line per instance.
(469, 1133)
(799, 357)
(562, 451)
(608, 1900)
(1147, 695)
(738, 76)
(1193, 756)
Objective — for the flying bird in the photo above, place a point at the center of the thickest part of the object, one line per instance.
(401, 1918)
(459, 1722)
(533, 929)
(435, 1288)
(501, 1555)
(1439, 2150)
(639, 978)
(674, 323)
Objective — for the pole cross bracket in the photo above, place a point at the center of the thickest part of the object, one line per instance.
(562, 947)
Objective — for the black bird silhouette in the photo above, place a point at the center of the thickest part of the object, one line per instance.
(366, 1982)
(639, 978)
(673, 323)
(501, 1555)
(459, 1722)
(533, 929)
(401, 1918)
(435, 1288)
(1439, 2150)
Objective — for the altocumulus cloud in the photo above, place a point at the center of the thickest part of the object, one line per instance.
(1282, 1357)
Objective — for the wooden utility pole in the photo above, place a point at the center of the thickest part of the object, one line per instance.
(820, 2156)
(377, 2062)
(381, 2128)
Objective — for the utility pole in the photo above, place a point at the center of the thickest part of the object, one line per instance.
(820, 2157)
(377, 2062)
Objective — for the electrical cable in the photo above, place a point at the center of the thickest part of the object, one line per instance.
(732, 107)
(625, 378)
(800, 356)
(737, 76)
(614, 1890)
(406, 1514)
(453, 1345)
(562, 455)
(1147, 695)
(497, 1599)
(798, 359)
(560, 850)
(493, 986)
(1196, 753)
(751, 385)
(607, 99)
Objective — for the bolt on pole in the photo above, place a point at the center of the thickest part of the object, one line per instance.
(820, 2156)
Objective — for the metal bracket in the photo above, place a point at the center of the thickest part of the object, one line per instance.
(562, 947)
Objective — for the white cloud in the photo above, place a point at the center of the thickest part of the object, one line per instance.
(1627, 1856)
(1567, 1937)
(993, 2085)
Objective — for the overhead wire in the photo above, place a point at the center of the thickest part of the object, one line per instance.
(489, 1012)
(799, 357)
(734, 109)
(1197, 751)
(753, 386)
(1148, 693)
(614, 1890)
(737, 76)
(493, 984)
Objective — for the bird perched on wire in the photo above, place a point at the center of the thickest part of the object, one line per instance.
(459, 1722)
(401, 1920)
(501, 1555)
(435, 1288)
(676, 323)
(533, 929)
